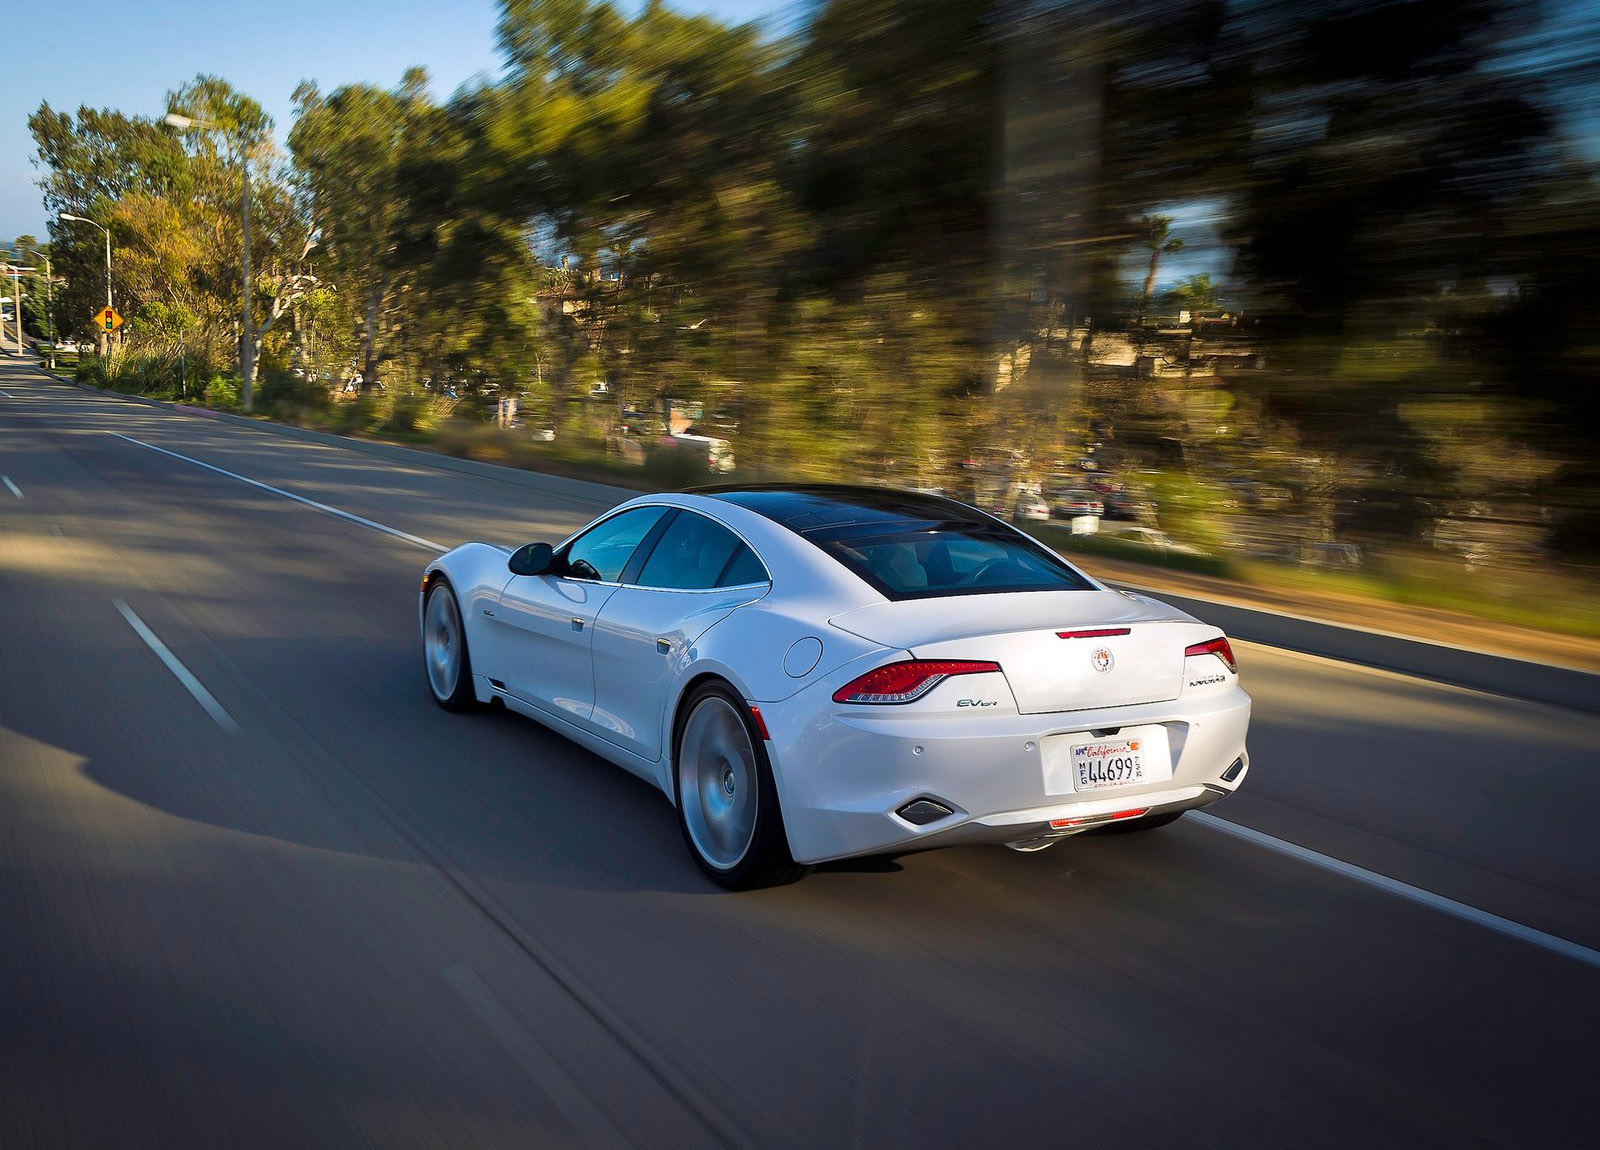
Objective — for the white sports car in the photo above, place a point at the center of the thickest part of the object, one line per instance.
(816, 672)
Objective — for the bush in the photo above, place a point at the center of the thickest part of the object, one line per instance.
(409, 417)
(222, 392)
(283, 391)
(91, 369)
(356, 416)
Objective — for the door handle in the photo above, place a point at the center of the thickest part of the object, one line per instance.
(663, 646)
(577, 623)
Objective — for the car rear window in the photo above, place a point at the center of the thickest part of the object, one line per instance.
(949, 560)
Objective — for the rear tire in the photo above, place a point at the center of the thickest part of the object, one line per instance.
(1132, 826)
(727, 801)
(447, 665)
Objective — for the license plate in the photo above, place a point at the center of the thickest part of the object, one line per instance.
(1111, 763)
(1078, 762)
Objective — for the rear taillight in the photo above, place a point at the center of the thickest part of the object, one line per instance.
(905, 682)
(1218, 647)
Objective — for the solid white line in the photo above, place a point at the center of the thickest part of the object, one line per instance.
(194, 686)
(312, 503)
(7, 394)
(15, 490)
(1426, 898)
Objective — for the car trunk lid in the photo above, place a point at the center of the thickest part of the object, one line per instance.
(1060, 651)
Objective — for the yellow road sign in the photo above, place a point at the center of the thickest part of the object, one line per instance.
(107, 320)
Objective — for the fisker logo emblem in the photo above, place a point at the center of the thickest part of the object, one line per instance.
(1102, 660)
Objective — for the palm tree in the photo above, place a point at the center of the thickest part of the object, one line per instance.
(1196, 293)
(1156, 230)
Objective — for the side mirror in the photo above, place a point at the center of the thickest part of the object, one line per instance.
(531, 559)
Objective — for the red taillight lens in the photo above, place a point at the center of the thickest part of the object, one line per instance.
(1063, 824)
(1218, 647)
(904, 682)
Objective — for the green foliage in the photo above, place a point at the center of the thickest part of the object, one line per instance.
(911, 234)
(222, 392)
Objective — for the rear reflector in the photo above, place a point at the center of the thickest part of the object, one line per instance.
(904, 682)
(1218, 647)
(761, 724)
(1102, 633)
(1233, 770)
(1063, 824)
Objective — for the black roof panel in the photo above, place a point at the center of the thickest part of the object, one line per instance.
(818, 508)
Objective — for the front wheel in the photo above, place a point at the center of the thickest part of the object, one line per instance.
(444, 649)
(727, 802)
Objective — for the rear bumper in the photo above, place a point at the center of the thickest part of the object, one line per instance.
(843, 776)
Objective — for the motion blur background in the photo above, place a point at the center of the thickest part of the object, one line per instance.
(1292, 287)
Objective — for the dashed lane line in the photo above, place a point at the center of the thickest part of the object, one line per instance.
(182, 673)
(12, 487)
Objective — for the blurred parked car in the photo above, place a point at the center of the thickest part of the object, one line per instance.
(715, 453)
(1071, 502)
(1346, 555)
(1030, 506)
(1155, 540)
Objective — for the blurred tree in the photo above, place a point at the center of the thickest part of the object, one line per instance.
(349, 148)
(1195, 293)
(90, 161)
(1155, 234)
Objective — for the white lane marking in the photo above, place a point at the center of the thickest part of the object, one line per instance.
(1416, 894)
(7, 394)
(536, 1061)
(15, 490)
(428, 544)
(193, 685)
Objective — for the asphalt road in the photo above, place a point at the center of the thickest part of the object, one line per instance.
(288, 902)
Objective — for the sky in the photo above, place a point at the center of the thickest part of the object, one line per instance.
(65, 55)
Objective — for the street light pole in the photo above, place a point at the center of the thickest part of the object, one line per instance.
(91, 223)
(247, 349)
(49, 319)
(16, 303)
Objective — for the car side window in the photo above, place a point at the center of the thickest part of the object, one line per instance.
(744, 568)
(695, 553)
(601, 552)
